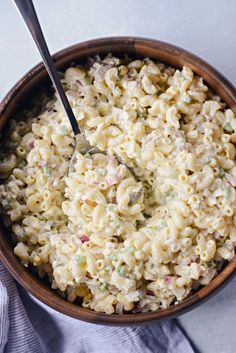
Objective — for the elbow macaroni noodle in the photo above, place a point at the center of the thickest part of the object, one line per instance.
(117, 242)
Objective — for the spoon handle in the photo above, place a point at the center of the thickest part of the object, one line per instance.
(28, 13)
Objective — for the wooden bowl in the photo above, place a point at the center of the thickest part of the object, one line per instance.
(20, 95)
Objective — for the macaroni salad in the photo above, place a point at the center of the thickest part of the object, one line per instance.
(119, 241)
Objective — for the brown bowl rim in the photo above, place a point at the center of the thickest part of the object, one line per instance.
(32, 284)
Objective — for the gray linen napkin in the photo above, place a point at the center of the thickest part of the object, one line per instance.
(28, 326)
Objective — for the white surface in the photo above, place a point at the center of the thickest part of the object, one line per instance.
(205, 27)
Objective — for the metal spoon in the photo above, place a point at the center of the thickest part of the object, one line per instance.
(28, 13)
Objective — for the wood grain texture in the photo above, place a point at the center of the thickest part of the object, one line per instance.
(28, 86)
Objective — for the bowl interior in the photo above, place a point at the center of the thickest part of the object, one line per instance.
(36, 81)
